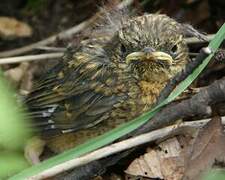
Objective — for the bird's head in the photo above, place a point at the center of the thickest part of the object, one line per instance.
(152, 46)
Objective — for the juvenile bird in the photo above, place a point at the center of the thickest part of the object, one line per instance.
(112, 77)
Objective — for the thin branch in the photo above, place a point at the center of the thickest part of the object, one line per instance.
(194, 40)
(53, 49)
(38, 57)
(63, 35)
(120, 146)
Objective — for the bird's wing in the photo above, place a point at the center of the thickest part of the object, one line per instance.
(75, 94)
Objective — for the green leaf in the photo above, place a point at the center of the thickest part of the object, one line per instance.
(126, 128)
(11, 162)
(13, 134)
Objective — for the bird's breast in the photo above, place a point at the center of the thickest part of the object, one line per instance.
(149, 92)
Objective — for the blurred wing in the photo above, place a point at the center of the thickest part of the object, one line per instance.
(74, 95)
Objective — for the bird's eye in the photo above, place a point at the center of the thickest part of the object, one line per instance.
(174, 49)
(123, 48)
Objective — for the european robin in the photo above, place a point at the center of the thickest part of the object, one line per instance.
(113, 76)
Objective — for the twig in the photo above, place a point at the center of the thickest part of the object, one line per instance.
(53, 49)
(120, 146)
(194, 40)
(62, 35)
(19, 59)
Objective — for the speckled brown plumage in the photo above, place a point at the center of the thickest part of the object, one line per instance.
(112, 77)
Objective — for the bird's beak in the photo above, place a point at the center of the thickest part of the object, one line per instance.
(149, 56)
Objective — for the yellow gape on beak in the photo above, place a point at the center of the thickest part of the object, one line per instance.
(150, 56)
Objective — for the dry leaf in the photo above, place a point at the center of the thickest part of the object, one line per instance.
(12, 28)
(208, 146)
(165, 162)
(33, 149)
(15, 75)
(28, 79)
